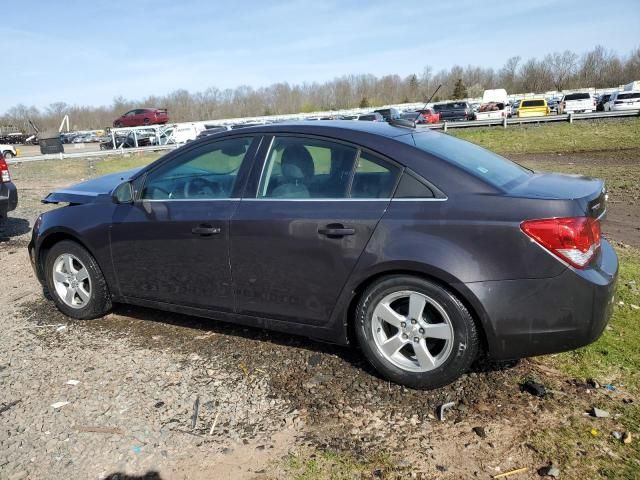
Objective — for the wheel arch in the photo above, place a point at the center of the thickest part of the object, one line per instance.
(52, 238)
(458, 289)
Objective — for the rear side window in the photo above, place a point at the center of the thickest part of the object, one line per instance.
(628, 96)
(308, 168)
(577, 96)
(533, 103)
(411, 187)
(373, 177)
(492, 168)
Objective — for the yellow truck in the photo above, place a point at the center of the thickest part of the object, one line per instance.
(533, 107)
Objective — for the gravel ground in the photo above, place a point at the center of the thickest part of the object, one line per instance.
(174, 396)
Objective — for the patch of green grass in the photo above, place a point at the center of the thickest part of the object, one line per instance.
(581, 454)
(615, 357)
(556, 137)
(116, 163)
(335, 466)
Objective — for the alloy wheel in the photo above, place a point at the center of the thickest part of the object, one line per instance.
(71, 280)
(412, 331)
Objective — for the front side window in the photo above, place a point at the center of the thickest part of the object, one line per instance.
(304, 168)
(210, 173)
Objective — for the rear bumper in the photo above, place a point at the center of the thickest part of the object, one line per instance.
(524, 318)
(8, 198)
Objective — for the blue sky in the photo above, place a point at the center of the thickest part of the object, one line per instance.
(89, 52)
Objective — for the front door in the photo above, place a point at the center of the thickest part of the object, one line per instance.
(172, 244)
(300, 230)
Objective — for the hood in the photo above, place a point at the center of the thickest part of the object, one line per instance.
(91, 190)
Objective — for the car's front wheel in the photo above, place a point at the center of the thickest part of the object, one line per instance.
(8, 154)
(75, 281)
(415, 333)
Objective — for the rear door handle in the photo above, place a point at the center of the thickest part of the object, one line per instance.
(205, 230)
(336, 231)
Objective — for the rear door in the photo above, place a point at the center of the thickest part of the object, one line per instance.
(172, 244)
(308, 212)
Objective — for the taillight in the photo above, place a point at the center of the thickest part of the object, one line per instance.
(574, 239)
(4, 171)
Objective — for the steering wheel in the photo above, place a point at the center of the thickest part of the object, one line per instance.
(201, 188)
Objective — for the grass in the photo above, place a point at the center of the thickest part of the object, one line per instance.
(336, 466)
(556, 137)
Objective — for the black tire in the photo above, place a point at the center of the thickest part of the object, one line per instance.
(99, 302)
(465, 343)
(8, 155)
(117, 125)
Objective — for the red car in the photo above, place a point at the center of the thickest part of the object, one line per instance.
(430, 116)
(142, 116)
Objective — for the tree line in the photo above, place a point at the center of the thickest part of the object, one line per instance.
(599, 68)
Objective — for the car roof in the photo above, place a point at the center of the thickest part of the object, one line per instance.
(330, 128)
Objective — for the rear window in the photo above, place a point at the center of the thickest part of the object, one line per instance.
(450, 106)
(533, 103)
(627, 96)
(494, 169)
(577, 96)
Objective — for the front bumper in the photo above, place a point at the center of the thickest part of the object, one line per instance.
(532, 317)
(8, 198)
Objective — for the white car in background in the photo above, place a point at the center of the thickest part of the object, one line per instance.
(8, 151)
(577, 103)
(623, 101)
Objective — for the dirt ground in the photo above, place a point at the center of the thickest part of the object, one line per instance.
(159, 395)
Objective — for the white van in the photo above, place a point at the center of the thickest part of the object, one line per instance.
(494, 105)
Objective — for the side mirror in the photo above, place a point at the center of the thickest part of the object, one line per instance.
(123, 193)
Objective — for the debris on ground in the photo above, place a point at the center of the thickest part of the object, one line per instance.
(594, 432)
(196, 410)
(593, 383)
(627, 438)
(599, 413)
(617, 435)
(59, 404)
(90, 429)
(549, 471)
(610, 387)
(72, 382)
(6, 406)
(635, 307)
(444, 407)
(512, 472)
(480, 431)
(534, 388)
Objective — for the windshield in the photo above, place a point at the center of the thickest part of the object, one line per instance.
(494, 169)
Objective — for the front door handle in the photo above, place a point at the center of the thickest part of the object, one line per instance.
(336, 230)
(205, 230)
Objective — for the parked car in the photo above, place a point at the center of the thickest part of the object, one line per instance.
(533, 107)
(553, 104)
(515, 105)
(388, 113)
(577, 103)
(371, 117)
(623, 101)
(8, 191)
(128, 140)
(8, 151)
(453, 111)
(142, 116)
(412, 240)
(430, 115)
(494, 105)
(602, 100)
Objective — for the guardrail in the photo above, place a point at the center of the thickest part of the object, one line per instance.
(505, 122)
(97, 153)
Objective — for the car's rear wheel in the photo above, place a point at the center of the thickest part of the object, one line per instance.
(8, 155)
(75, 281)
(415, 333)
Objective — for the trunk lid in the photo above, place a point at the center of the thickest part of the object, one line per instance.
(590, 193)
(93, 190)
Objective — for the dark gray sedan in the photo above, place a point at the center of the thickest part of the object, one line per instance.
(423, 249)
